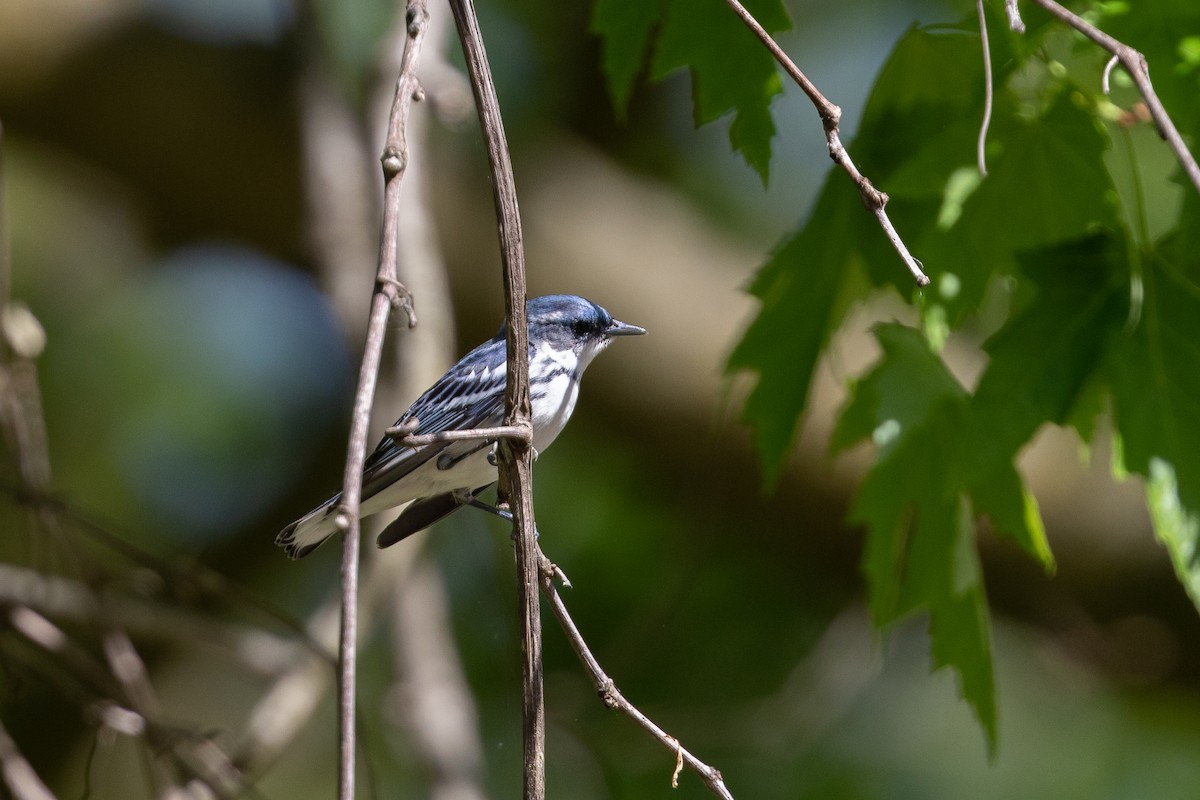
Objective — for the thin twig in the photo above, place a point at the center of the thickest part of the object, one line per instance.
(1015, 22)
(91, 687)
(516, 457)
(1135, 64)
(830, 114)
(519, 433)
(389, 292)
(981, 145)
(22, 417)
(429, 697)
(612, 697)
(64, 598)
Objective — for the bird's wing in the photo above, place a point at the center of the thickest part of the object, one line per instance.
(470, 395)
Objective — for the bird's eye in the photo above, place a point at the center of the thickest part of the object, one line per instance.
(581, 328)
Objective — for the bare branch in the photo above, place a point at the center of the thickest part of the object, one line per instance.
(830, 114)
(335, 145)
(612, 697)
(1135, 64)
(292, 698)
(516, 457)
(63, 598)
(81, 676)
(429, 697)
(388, 293)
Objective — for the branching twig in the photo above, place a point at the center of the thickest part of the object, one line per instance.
(345, 226)
(1135, 65)
(516, 457)
(91, 686)
(64, 598)
(612, 697)
(429, 696)
(389, 292)
(830, 114)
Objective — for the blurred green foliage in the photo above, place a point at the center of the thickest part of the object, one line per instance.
(1047, 194)
(195, 390)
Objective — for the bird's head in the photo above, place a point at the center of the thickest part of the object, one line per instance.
(567, 323)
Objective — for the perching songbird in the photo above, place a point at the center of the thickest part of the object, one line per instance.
(565, 334)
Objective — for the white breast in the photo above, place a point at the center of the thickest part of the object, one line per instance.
(553, 402)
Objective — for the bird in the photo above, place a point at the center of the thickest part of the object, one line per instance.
(565, 333)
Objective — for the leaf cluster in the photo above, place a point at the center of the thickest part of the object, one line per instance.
(1090, 252)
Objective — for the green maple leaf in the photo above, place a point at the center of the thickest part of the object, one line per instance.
(731, 69)
(625, 29)
(1154, 368)
(1046, 184)
(920, 551)
(801, 287)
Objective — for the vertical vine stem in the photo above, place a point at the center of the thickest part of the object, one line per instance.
(389, 292)
(981, 143)
(516, 463)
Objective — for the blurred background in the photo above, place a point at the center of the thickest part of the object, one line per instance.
(192, 190)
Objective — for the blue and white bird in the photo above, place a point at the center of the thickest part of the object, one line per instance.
(565, 333)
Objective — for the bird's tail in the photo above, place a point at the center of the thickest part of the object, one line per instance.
(310, 531)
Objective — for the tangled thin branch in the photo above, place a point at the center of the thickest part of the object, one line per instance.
(873, 199)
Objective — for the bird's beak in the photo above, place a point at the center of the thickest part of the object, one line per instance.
(618, 328)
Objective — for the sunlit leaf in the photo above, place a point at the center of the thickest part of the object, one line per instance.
(1154, 367)
(920, 550)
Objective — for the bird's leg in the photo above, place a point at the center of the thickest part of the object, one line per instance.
(502, 513)
(548, 568)
(471, 500)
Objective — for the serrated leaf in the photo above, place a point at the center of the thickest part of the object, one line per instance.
(731, 70)
(1003, 498)
(1176, 527)
(624, 28)
(920, 550)
(799, 287)
(1040, 361)
(1046, 185)
(1154, 369)
(930, 84)
(900, 388)
(961, 638)
(1155, 373)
